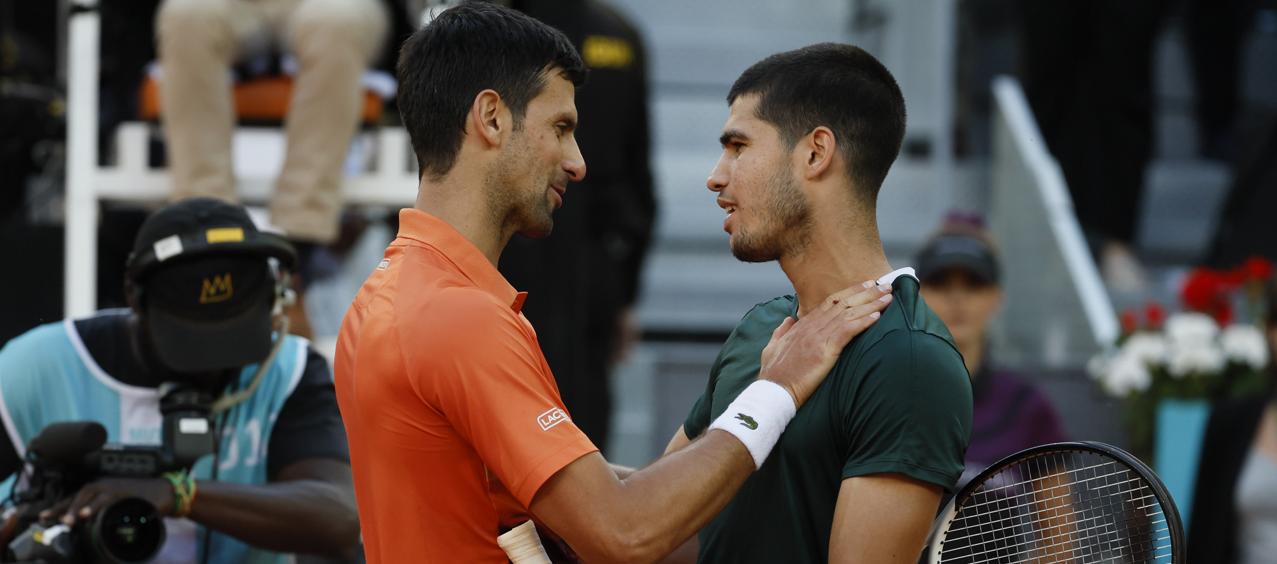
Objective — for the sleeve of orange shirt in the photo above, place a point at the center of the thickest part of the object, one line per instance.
(484, 371)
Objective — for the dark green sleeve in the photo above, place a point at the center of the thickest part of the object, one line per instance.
(698, 419)
(907, 409)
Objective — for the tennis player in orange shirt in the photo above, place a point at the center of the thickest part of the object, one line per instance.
(453, 415)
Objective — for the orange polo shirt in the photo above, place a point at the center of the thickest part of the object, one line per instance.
(449, 405)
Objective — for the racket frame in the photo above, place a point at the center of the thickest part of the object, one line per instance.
(935, 541)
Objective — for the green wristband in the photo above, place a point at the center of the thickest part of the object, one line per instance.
(183, 491)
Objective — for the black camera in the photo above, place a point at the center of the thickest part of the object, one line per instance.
(66, 456)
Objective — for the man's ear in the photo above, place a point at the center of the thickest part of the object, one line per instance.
(489, 118)
(818, 149)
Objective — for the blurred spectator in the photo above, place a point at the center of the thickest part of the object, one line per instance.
(1234, 514)
(582, 280)
(1088, 74)
(333, 42)
(1216, 32)
(1245, 227)
(960, 277)
(206, 307)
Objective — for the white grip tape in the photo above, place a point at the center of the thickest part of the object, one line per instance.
(522, 545)
(757, 417)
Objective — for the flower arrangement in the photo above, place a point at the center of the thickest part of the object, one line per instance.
(1215, 348)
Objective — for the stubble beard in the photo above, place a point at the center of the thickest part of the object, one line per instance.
(512, 199)
(785, 230)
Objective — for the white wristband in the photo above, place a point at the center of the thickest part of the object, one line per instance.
(757, 417)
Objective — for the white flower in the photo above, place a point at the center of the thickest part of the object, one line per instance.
(1191, 345)
(1098, 366)
(1188, 329)
(1125, 374)
(1148, 347)
(1245, 344)
(1203, 358)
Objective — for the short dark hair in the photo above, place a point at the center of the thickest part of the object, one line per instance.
(466, 49)
(841, 87)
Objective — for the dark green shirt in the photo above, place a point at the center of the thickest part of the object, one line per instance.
(897, 401)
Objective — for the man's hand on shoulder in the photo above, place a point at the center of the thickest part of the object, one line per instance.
(801, 353)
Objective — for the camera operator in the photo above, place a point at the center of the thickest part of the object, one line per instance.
(207, 294)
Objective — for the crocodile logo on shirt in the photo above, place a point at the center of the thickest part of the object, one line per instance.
(747, 421)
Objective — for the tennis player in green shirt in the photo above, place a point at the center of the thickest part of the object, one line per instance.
(859, 472)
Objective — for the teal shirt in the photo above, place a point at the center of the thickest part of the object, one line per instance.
(897, 401)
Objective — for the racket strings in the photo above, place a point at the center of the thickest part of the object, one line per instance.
(1063, 542)
(1082, 525)
(1067, 494)
(1082, 521)
(1063, 497)
(1049, 544)
(1074, 506)
(986, 491)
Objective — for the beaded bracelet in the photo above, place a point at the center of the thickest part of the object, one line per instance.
(183, 491)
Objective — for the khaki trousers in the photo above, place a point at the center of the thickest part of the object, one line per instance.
(332, 40)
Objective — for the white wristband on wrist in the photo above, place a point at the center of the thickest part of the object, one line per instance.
(757, 417)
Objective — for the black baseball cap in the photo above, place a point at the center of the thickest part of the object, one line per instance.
(207, 289)
(949, 251)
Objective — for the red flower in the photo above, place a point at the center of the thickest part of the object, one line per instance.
(1223, 314)
(1203, 289)
(1231, 279)
(1257, 268)
(1130, 322)
(1155, 314)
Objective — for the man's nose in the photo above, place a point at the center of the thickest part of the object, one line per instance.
(574, 163)
(718, 178)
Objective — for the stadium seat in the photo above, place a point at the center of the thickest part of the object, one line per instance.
(261, 100)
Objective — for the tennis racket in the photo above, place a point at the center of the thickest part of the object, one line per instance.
(1065, 502)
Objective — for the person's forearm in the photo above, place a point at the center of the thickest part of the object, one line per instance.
(651, 512)
(305, 516)
(678, 494)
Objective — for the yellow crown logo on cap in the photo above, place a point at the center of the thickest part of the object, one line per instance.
(217, 289)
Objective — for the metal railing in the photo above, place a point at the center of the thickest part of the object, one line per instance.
(1057, 312)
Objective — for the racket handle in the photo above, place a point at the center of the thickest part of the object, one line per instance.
(522, 545)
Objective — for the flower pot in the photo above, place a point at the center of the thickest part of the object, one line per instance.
(1177, 443)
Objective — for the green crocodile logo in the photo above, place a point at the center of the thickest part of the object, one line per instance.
(747, 421)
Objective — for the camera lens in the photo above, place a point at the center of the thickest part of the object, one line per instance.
(129, 530)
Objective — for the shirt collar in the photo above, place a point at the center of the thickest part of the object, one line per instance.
(425, 228)
(897, 273)
(887, 278)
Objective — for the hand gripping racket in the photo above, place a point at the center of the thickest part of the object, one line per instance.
(1078, 502)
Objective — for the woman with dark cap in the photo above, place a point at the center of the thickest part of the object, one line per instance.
(960, 277)
(1234, 517)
